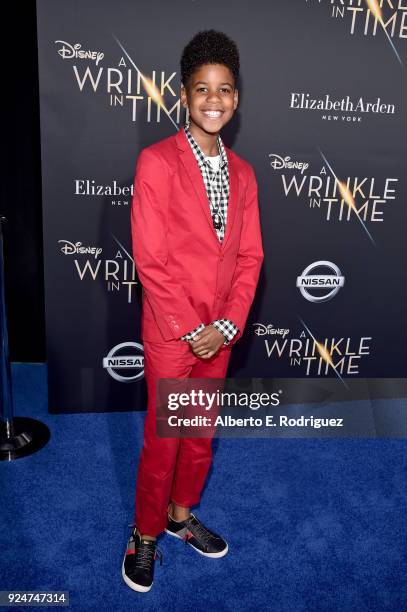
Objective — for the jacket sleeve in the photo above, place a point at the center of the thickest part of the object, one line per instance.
(173, 312)
(249, 261)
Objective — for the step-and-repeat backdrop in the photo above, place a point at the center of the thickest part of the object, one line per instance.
(322, 118)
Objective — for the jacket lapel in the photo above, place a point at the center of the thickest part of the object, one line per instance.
(192, 169)
(233, 196)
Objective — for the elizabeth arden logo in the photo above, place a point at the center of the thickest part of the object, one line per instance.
(119, 195)
(343, 109)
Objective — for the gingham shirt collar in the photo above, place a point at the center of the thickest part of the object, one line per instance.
(200, 155)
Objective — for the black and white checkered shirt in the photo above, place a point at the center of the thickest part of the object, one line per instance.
(217, 189)
(216, 183)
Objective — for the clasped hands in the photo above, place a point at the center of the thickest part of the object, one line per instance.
(207, 342)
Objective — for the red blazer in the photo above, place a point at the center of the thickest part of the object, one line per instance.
(188, 276)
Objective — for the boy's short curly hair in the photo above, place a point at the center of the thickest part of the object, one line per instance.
(209, 47)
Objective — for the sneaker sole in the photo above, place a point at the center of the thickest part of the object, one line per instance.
(133, 585)
(217, 555)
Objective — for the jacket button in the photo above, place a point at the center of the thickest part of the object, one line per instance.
(176, 327)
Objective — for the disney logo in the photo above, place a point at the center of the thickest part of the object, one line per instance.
(70, 248)
(263, 330)
(278, 163)
(68, 51)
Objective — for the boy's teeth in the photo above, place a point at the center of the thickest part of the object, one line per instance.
(212, 113)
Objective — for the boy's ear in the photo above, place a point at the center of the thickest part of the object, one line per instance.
(236, 99)
(183, 96)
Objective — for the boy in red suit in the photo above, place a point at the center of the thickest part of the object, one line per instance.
(198, 252)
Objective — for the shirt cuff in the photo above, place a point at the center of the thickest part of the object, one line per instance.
(191, 335)
(227, 328)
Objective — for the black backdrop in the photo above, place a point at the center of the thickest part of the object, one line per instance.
(20, 199)
(322, 107)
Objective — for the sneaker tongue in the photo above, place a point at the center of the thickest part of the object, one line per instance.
(148, 542)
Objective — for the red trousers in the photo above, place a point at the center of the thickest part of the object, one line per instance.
(172, 469)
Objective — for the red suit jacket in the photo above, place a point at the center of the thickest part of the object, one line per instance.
(188, 276)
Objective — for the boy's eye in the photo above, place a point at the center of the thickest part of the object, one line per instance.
(225, 89)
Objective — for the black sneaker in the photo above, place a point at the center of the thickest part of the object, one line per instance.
(138, 563)
(206, 542)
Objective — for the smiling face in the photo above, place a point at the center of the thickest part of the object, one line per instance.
(211, 97)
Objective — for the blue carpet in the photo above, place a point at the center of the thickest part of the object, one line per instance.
(311, 524)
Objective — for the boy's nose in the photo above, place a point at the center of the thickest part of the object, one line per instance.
(213, 95)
